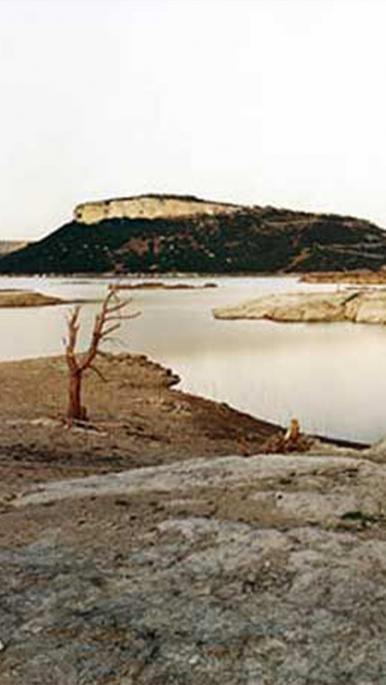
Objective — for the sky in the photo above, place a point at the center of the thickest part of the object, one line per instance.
(266, 102)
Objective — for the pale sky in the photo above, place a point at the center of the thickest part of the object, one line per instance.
(279, 102)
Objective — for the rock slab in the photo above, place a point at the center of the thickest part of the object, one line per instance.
(357, 306)
(282, 581)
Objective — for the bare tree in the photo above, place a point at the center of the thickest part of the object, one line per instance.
(106, 322)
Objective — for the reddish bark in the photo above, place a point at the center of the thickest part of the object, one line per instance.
(111, 310)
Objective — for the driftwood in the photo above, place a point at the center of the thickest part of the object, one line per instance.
(293, 432)
(290, 441)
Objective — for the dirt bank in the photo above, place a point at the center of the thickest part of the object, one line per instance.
(137, 418)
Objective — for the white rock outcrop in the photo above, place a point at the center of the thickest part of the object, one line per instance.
(149, 207)
(357, 306)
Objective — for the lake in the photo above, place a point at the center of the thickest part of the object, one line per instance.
(332, 377)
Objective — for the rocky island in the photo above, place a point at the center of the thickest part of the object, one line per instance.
(355, 306)
(27, 298)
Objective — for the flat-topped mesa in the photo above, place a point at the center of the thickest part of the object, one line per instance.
(153, 233)
(150, 207)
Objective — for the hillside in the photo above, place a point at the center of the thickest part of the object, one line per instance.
(208, 237)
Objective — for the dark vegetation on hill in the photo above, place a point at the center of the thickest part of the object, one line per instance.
(259, 240)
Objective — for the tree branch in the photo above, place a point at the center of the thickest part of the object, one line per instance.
(110, 311)
(98, 372)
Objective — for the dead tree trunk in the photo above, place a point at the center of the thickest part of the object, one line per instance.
(111, 310)
(292, 435)
(75, 410)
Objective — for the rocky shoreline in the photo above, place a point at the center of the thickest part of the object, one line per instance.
(27, 298)
(360, 277)
(137, 418)
(158, 545)
(160, 285)
(357, 306)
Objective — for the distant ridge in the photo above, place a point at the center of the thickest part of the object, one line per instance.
(167, 233)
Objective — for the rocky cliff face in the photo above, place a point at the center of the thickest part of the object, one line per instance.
(150, 207)
(7, 246)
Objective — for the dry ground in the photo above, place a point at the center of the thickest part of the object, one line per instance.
(200, 569)
(137, 418)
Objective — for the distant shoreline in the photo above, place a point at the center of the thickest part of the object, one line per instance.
(93, 275)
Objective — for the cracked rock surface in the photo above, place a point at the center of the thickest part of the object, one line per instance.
(262, 571)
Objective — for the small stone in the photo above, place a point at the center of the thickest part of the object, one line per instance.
(194, 660)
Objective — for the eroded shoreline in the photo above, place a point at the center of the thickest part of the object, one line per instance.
(137, 418)
(159, 555)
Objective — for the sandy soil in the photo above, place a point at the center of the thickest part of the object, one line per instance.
(137, 418)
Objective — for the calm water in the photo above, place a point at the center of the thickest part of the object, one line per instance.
(331, 376)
